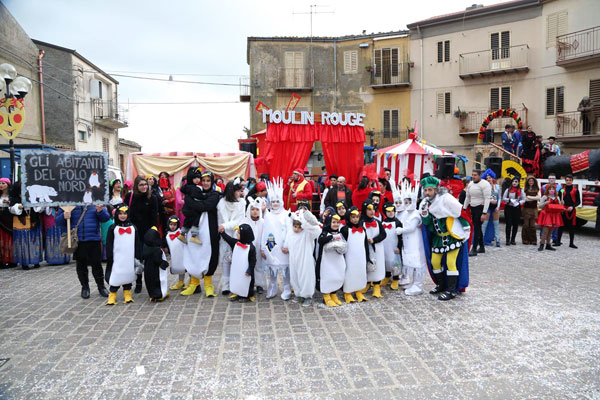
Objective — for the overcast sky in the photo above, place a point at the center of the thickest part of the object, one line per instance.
(197, 37)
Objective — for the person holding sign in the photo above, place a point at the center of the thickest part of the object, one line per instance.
(89, 250)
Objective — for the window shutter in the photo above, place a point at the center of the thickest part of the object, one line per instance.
(595, 95)
(560, 99)
(494, 44)
(447, 50)
(440, 52)
(354, 61)
(505, 43)
(105, 145)
(378, 63)
(440, 103)
(289, 59)
(562, 23)
(505, 98)
(347, 62)
(494, 99)
(395, 121)
(386, 123)
(395, 62)
(550, 101)
(447, 101)
(556, 25)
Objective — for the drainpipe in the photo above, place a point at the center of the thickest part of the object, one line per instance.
(41, 79)
(421, 128)
(334, 75)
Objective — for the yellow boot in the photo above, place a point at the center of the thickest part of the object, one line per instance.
(233, 297)
(127, 295)
(252, 299)
(194, 239)
(348, 297)
(112, 299)
(366, 289)
(328, 302)
(394, 285)
(191, 289)
(164, 297)
(209, 289)
(377, 291)
(177, 286)
(385, 281)
(335, 299)
(360, 297)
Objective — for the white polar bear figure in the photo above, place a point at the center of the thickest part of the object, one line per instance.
(41, 194)
(87, 197)
(94, 182)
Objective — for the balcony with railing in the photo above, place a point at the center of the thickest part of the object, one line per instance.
(578, 47)
(498, 61)
(390, 75)
(298, 79)
(469, 121)
(245, 89)
(571, 125)
(386, 138)
(109, 114)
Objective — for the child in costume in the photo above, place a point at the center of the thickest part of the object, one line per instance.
(176, 249)
(398, 201)
(413, 253)
(273, 240)
(375, 236)
(255, 221)
(231, 213)
(243, 261)
(375, 197)
(356, 257)
(447, 235)
(340, 208)
(155, 266)
(193, 192)
(549, 218)
(300, 244)
(392, 245)
(331, 266)
(123, 252)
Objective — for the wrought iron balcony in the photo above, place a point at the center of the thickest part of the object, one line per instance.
(382, 139)
(109, 114)
(245, 89)
(571, 124)
(502, 60)
(470, 120)
(390, 75)
(577, 47)
(299, 79)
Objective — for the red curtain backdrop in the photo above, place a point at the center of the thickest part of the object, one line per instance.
(289, 147)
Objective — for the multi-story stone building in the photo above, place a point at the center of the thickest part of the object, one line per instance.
(538, 57)
(367, 73)
(82, 112)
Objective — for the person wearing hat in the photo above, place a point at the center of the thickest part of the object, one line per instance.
(193, 192)
(446, 240)
(552, 147)
(258, 191)
(513, 198)
(297, 188)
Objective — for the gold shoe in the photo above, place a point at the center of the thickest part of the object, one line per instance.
(348, 297)
(335, 299)
(377, 291)
(112, 299)
(178, 285)
(194, 239)
(127, 295)
(366, 289)
(209, 289)
(182, 238)
(359, 297)
(385, 281)
(252, 299)
(328, 302)
(394, 285)
(233, 297)
(191, 289)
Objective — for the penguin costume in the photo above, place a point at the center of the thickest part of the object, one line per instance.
(123, 252)
(243, 261)
(375, 197)
(375, 236)
(356, 257)
(331, 266)
(202, 259)
(155, 266)
(392, 245)
(255, 206)
(176, 249)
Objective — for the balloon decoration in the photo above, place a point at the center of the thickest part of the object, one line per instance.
(498, 114)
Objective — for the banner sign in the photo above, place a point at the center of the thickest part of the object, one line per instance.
(261, 106)
(293, 102)
(63, 178)
(308, 118)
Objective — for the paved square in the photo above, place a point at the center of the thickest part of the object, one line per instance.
(528, 327)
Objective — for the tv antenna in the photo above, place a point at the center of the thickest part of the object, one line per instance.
(313, 11)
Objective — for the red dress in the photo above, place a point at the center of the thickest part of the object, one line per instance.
(552, 219)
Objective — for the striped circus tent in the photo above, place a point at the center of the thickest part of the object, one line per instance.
(411, 157)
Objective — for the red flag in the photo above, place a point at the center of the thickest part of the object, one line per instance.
(293, 102)
(261, 106)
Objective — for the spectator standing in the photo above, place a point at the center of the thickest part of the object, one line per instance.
(530, 211)
(479, 193)
(493, 209)
(329, 183)
(339, 193)
(588, 117)
(508, 142)
(6, 225)
(513, 198)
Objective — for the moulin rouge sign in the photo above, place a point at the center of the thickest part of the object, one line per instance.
(308, 118)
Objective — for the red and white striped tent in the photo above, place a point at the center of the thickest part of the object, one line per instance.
(413, 156)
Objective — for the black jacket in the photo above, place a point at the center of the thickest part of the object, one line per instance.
(143, 211)
(332, 198)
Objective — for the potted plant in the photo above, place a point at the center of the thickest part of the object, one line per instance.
(461, 114)
(369, 68)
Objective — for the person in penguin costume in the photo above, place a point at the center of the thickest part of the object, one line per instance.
(342, 211)
(155, 266)
(331, 266)
(202, 259)
(273, 240)
(413, 253)
(356, 257)
(392, 245)
(256, 222)
(176, 248)
(375, 197)
(123, 252)
(375, 236)
(243, 261)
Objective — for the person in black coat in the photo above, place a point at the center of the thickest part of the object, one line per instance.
(597, 204)
(155, 266)
(243, 263)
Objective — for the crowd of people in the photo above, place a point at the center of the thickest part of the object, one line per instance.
(253, 231)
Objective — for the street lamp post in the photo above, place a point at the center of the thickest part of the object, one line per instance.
(12, 107)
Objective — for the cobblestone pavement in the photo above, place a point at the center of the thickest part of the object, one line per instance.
(528, 327)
